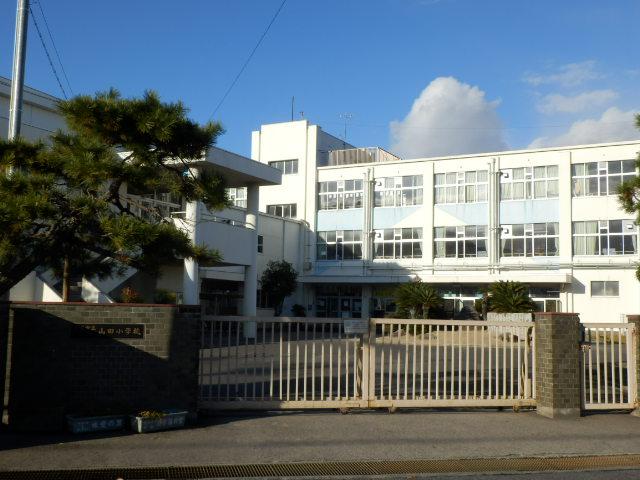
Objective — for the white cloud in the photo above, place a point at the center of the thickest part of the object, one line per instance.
(568, 75)
(448, 118)
(614, 125)
(556, 103)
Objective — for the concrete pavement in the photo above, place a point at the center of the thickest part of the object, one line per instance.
(328, 436)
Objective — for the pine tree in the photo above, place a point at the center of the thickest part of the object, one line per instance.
(63, 204)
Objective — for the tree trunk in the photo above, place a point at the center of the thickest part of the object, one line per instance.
(65, 280)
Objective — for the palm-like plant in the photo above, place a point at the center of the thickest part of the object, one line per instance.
(416, 299)
(510, 297)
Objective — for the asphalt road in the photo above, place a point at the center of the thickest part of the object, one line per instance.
(329, 436)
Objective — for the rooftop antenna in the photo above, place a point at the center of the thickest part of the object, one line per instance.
(293, 102)
(346, 117)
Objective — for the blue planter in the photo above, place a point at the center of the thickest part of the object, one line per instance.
(103, 423)
(167, 422)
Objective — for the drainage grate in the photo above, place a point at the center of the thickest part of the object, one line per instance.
(467, 465)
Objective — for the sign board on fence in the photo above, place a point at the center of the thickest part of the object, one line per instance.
(356, 325)
(109, 330)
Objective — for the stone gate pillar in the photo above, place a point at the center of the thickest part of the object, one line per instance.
(557, 358)
(635, 319)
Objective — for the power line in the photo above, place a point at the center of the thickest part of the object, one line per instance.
(235, 80)
(55, 49)
(46, 51)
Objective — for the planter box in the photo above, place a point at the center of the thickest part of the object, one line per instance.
(78, 424)
(169, 421)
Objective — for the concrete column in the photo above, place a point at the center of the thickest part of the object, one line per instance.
(635, 319)
(190, 276)
(557, 358)
(251, 271)
(366, 301)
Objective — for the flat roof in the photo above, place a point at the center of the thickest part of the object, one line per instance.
(239, 171)
(493, 154)
(31, 95)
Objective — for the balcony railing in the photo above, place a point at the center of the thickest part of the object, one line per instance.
(354, 156)
(207, 217)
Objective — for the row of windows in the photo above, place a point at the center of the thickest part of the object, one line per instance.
(339, 245)
(530, 240)
(398, 191)
(529, 182)
(594, 178)
(460, 242)
(613, 237)
(461, 187)
(340, 194)
(600, 178)
(285, 210)
(287, 167)
(398, 243)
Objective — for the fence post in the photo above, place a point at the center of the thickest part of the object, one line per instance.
(633, 365)
(557, 357)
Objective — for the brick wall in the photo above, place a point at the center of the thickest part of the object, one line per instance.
(558, 364)
(55, 368)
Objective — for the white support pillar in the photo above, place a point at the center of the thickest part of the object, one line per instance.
(249, 298)
(191, 276)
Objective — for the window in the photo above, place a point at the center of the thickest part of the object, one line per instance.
(260, 243)
(546, 299)
(340, 245)
(263, 300)
(238, 196)
(461, 187)
(529, 182)
(287, 167)
(605, 237)
(340, 194)
(338, 301)
(398, 243)
(287, 210)
(605, 289)
(530, 240)
(398, 191)
(601, 178)
(460, 242)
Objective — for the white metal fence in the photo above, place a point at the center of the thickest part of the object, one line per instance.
(316, 363)
(452, 363)
(609, 377)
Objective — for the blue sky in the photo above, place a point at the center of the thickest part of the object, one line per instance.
(422, 77)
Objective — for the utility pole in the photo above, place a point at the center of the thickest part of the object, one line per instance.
(17, 75)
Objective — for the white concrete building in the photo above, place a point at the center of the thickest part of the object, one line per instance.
(246, 239)
(548, 217)
(356, 221)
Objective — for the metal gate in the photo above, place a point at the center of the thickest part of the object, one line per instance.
(290, 363)
(429, 363)
(608, 366)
